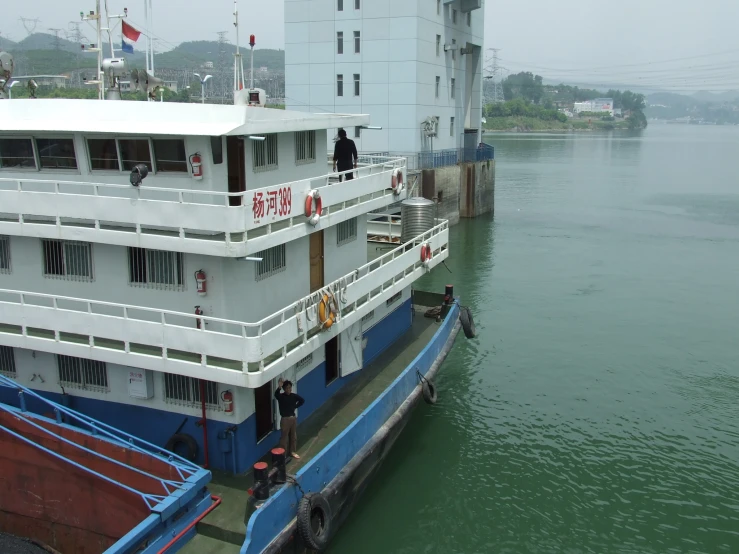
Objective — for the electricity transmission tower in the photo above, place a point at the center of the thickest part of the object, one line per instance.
(29, 24)
(493, 74)
(223, 66)
(57, 43)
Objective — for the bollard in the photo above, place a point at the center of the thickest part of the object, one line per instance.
(278, 462)
(261, 481)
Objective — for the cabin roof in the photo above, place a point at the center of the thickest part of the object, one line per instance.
(160, 118)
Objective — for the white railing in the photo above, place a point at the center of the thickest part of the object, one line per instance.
(384, 226)
(232, 352)
(197, 221)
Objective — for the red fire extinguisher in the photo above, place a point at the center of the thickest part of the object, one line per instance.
(228, 401)
(197, 166)
(202, 281)
(198, 321)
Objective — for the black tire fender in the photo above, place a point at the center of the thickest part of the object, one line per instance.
(314, 521)
(468, 324)
(429, 391)
(183, 439)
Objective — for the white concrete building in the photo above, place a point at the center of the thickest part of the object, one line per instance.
(597, 105)
(401, 61)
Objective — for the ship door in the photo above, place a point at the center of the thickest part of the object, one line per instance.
(236, 168)
(316, 261)
(263, 410)
(333, 355)
(351, 350)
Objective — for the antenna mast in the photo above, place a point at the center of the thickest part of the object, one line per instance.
(238, 59)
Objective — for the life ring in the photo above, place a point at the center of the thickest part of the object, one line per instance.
(327, 311)
(397, 181)
(313, 207)
(314, 521)
(180, 440)
(426, 253)
(468, 324)
(429, 391)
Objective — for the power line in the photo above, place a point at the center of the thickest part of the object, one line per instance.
(57, 43)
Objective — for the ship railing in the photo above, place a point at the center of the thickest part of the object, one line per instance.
(206, 347)
(384, 225)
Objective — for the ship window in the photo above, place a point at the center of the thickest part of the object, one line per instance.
(304, 362)
(394, 298)
(186, 391)
(156, 269)
(103, 154)
(305, 147)
(134, 152)
(4, 254)
(346, 231)
(80, 373)
(368, 317)
(216, 147)
(7, 361)
(17, 153)
(273, 261)
(70, 260)
(169, 155)
(265, 153)
(56, 153)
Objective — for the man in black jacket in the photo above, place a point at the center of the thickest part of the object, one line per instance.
(288, 403)
(345, 155)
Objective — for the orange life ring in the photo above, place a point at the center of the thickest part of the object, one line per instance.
(327, 311)
(313, 206)
(397, 180)
(426, 253)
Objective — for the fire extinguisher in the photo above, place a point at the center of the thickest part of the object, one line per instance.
(228, 401)
(198, 321)
(202, 282)
(197, 166)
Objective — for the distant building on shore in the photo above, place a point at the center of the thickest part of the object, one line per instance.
(598, 105)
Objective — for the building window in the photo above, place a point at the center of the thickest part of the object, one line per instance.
(356, 4)
(305, 147)
(80, 373)
(438, 7)
(339, 42)
(438, 45)
(56, 153)
(346, 231)
(356, 41)
(339, 85)
(70, 260)
(17, 153)
(169, 155)
(273, 261)
(454, 16)
(134, 152)
(451, 127)
(4, 254)
(156, 269)
(340, 5)
(453, 86)
(185, 391)
(7, 362)
(438, 85)
(454, 50)
(103, 154)
(357, 132)
(265, 153)
(469, 19)
(356, 84)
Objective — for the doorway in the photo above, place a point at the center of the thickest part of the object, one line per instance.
(263, 410)
(332, 360)
(316, 261)
(236, 168)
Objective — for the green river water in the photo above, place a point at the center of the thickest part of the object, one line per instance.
(598, 410)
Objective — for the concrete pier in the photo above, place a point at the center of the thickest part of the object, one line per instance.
(466, 189)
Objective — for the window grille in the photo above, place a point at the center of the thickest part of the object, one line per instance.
(7, 362)
(185, 391)
(169, 155)
(57, 153)
(17, 153)
(356, 84)
(5, 254)
(103, 154)
(346, 231)
(357, 41)
(273, 261)
(265, 153)
(134, 152)
(157, 269)
(305, 362)
(305, 147)
(69, 260)
(339, 42)
(80, 373)
(339, 85)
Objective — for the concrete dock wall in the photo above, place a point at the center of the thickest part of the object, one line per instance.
(466, 189)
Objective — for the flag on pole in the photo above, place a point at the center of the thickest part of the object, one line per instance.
(129, 35)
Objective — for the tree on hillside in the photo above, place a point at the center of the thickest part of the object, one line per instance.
(523, 85)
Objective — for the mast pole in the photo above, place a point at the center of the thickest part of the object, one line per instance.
(151, 36)
(101, 81)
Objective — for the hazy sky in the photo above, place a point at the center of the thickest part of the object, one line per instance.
(576, 40)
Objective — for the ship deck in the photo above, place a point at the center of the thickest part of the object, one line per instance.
(223, 531)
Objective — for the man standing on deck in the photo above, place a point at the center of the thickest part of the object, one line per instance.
(288, 403)
(345, 155)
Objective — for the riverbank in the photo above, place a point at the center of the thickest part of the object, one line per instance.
(523, 124)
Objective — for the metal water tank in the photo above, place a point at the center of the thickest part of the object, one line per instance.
(416, 216)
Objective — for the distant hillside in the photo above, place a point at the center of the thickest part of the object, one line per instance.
(205, 50)
(672, 99)
(705, 96)
(44, 41)
(6, 43)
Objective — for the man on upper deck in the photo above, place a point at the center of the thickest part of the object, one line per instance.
(345, 155)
